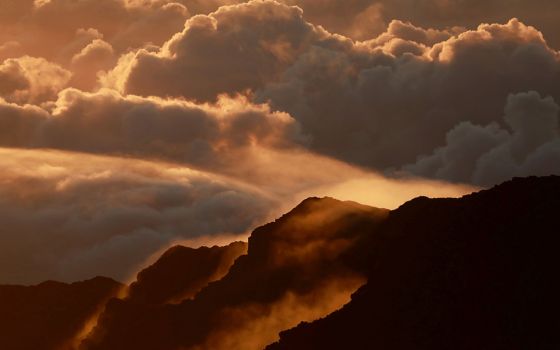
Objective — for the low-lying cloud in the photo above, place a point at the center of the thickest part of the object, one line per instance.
(73, 216)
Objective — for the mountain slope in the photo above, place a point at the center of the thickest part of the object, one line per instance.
(49, 314)
(300, 267)
(181, 272)
(480, 272)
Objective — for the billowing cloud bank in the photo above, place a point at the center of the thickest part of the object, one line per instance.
(489, 154)
(68, 216)
(270, 101)
(356, 101)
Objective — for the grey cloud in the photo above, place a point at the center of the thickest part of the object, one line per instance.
(492, 154)
(381, 106)
(378, 103)
(70, 217)
(108, 123)
(237, 48)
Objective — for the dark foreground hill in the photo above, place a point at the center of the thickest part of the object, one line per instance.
(481, 272)
(301, 267)
(53, 315)
(48, 315)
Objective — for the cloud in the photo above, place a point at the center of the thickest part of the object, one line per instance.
(237, 48)
(530, 145)
(72, 216)
(46, 28)
(109, 123)
(258, 93)
(232, 137)
(354, 101)
(31, 80)
(93, 58)
(365, 19)
(383, 102)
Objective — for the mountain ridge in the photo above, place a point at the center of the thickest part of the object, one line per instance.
(471, 272)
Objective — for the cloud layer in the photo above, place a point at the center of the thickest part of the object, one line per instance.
(355, 101)
(67, 216)
(290, 97)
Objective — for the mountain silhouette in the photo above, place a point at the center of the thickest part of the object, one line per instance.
(181, 272)
(292, 264)
(49, 314)
(480, 272)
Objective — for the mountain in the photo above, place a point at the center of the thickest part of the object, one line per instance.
(46, 316)
(480, 272)
(300, 267)
(181, 272)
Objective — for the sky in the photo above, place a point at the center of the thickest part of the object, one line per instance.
(127, 126)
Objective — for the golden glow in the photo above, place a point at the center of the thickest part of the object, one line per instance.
(255, 326)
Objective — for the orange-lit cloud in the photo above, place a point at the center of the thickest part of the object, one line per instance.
(76, 215)
(354, 101)
(261, 93)
(31, 80)
(72, 216)
(260, 39)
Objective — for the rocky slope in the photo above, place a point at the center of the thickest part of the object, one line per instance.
(300, 267)
(479, 272)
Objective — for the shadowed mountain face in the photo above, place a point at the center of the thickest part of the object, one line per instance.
(181, 272)
(47, 315)
(479, 272)
(301, 267)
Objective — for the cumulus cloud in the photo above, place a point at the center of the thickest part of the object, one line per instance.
(47, 28)
(365, 19)
(86, 65)
(72, 216)
(237, 48)
(109, 123)
(382, 102)
(356, 101)
(31, 80)
(530, 145)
